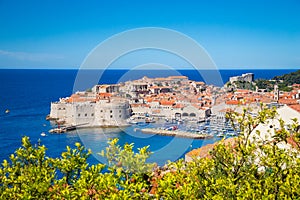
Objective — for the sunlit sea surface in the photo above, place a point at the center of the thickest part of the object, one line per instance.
(28, 94)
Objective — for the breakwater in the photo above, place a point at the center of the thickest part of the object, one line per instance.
(176, 133)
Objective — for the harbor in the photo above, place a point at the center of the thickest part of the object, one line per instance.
(176, 133)
(63, 129)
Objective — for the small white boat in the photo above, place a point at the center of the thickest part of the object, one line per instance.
(136, 129)
(132, 122)
(220, 134)
(43, 134)
(231, 133)
(7, 111)
(149, 120)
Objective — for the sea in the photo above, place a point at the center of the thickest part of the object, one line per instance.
(27, 94)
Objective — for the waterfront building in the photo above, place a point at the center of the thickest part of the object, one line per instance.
(248, 77)
(102, 111)
(173, 97)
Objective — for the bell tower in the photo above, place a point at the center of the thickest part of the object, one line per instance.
(276, 93)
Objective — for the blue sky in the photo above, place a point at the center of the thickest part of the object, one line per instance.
(237, 34)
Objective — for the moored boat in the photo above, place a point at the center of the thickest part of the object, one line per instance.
(57, 130)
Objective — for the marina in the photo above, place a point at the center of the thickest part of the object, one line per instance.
(176, 133)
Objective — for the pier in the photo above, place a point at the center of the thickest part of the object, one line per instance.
(176, 133)
(66, 128)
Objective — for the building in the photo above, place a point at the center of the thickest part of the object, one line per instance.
(105, 112)
(177, 79)
(248, 77)
(263, 133)
(276, 93)
(114, 88)
(267, 129)
(170, 98)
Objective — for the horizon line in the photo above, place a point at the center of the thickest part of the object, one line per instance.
(266, 68)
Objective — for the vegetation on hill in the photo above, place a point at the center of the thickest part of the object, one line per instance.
(265, 84)
(289, 79)
(244, 85)
(241, 171)
(284, 82)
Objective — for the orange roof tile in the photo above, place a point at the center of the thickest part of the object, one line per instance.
(149, 100)
(177, 77)
(135, 105)
(200, 83)
(156, 111)
(178, 106)
(243, 91)
(288, 101)
(226, 110)
(234, 102)
(295, 107)
(104, 94)
(162, 79)
(166, 103)
(204, 152)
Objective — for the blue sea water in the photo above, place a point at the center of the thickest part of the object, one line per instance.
(28, 93)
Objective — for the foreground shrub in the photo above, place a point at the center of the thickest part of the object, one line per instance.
(240, 170)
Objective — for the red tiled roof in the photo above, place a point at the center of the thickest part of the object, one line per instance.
(177, 77)
(105, 94)
(243, 91)
(166, 103)
(234, 102)
(134, 105)
(178, 106)
(295, 107)
(288, 101)
(204, 152)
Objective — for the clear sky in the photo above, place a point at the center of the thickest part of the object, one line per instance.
(237, 33)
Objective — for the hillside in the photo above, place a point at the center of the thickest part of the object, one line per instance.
(289, 79)
(284, 81)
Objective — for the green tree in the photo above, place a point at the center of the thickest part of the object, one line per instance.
(28, 173)
(240, 169)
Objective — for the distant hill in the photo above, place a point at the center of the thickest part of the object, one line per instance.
(289, 79)
(284, 81)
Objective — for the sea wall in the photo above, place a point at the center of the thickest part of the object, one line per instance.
(91, 114)
(111, 113)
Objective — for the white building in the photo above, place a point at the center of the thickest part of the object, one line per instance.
(198, 85)
(248, 77)
(110, 112)
(114, 88)
(267, 130)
